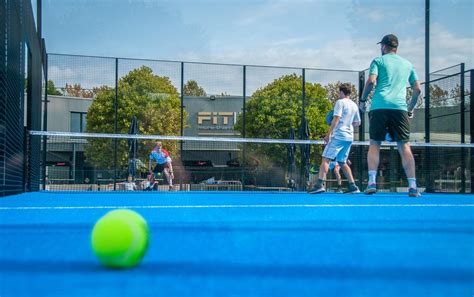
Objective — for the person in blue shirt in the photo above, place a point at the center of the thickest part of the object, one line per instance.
(389, 111)
(163, 163)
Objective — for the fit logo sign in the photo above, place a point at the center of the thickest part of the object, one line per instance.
(216, 118)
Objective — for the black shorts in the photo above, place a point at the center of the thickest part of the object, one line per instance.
(160, 167)
(393, 121)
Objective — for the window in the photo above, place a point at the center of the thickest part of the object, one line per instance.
(78, 121)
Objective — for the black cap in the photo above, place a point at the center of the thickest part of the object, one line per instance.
(390, 40)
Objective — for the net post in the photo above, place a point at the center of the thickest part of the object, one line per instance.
(115, 123)
(463, 130)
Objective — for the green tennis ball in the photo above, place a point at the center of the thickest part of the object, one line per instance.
(120, 238)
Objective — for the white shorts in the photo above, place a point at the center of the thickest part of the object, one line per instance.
(337, 150)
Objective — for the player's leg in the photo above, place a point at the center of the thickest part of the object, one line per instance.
(373, 159)
(408, 161)
(337, 173)
(323, 170)
(329, 153)
(400, 129)
(168, 176)
(377, 130)
(342, 161)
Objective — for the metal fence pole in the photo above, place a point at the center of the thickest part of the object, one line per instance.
(427, 154)
(360, 158)
(182, 105)
(463, 105)
(244, 119)
(244, 100)
(362, 116)
(182, 125)
(45, 121)
(27, 152)
(463, 131)
(303, 115)
(471, 125)
(303, 91)
(115, 123)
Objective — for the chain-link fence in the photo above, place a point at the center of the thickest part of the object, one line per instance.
(102, 95)
(22, 57)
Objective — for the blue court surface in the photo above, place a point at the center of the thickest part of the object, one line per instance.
(244, 244)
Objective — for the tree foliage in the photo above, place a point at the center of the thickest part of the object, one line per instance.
(76, 90)
(455, 94)
(440, 97)
(51, 89)
(272, 110)
(332, 90)
(191, 88)
(151, 98)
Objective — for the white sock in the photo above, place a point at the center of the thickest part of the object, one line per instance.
(412, 183)
(372, 176)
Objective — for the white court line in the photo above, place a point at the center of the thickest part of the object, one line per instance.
(232, 206)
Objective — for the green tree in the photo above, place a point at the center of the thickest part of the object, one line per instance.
(51, 89)
(152, 99)
(273, 109)
(191, 88)
(332, 90)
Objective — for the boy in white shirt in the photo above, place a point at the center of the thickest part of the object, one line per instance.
(339, 140)
(129, 184)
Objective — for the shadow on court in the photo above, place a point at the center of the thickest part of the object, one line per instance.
(235, 270)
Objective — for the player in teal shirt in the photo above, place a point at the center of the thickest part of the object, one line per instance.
(393, 72)
(389, 111)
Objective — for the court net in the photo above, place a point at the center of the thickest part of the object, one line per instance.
(106, 162)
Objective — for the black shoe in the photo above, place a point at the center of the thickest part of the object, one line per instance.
(412, 192)
(352, 190)
(371, 189)
(317, 189)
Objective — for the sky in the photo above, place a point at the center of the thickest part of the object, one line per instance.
(334, 34)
